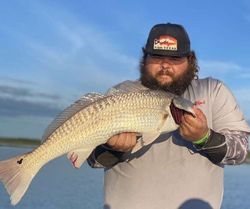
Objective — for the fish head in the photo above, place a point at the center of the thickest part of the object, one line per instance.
(179, 106)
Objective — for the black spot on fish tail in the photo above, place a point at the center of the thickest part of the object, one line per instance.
(20, 161)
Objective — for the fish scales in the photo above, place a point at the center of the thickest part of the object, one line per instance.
(94, 124)
(93, 127)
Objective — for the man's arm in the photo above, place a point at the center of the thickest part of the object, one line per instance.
(111, 153)
(104, 157)
(228, 147)
(228, 140)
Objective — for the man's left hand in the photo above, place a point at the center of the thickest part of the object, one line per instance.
(193, 128)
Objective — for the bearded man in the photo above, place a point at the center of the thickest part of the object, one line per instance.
(184, 168)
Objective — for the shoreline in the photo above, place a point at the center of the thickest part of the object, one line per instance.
(19, 142)
(32, 143)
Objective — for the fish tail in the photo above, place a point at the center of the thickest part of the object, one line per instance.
(15, 177)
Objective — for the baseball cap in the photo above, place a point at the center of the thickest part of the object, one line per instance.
(168, 40)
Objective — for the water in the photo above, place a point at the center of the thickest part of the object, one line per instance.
(59, 186)
(237, 187)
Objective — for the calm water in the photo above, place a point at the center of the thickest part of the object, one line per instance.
(59, 186)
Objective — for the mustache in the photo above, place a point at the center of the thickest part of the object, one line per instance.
(165, 72)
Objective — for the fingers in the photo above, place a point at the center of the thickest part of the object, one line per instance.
(199, 114)
(123, 142)
(188, 119)
(197, 119)
(193, 128)
(112, 141)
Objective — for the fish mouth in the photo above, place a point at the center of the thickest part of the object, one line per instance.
(179, 107)
(176, 113)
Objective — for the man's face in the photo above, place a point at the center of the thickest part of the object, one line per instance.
(167, 73)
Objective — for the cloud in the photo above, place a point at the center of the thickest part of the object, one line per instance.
(223, 69)
(16, 101)
(11, 107)
(235, 77)
(82, 42)
(219, 66)
(73, 36)
(245, 75)
(78, 57)
(15, 80)
(20, 92)
(9, 90)
(72, 57)
(243, 100)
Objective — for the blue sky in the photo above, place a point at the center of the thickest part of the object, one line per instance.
(52, 52)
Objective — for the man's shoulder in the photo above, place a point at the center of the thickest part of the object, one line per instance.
(208, 81)
(204, 87)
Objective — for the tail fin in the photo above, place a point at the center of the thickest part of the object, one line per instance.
(15, 177)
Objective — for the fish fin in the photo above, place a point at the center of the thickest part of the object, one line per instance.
(145, 139)
(83, 102)
(127, 86)
(167, 124)
(15, 178)
(77, 157)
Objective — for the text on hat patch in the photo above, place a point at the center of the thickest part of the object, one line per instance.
(165, 43)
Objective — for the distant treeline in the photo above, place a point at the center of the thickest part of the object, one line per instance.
(24, 142)
(19, 142)
(248, 158)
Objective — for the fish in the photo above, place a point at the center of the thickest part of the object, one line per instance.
(91, 121)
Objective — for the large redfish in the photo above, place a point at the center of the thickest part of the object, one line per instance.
(91, 121)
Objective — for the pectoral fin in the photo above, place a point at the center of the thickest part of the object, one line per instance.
(77, 157)
(165, 125)
(145, 139)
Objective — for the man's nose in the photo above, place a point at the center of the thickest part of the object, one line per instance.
(165, 63)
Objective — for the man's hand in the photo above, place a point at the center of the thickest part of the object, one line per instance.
(194, 128)
(123, 142)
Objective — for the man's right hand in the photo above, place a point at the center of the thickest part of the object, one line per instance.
(123, 142)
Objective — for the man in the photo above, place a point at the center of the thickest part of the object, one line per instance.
(182, 169)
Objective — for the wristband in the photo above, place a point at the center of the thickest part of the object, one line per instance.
(203, 140)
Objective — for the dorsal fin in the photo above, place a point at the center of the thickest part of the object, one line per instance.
(83, 102)
(127, 86)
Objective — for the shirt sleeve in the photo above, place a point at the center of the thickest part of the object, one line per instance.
(226, 113)
(229, 121)
(237, 147)
(228, 147)
(104, 157)
(228, 143)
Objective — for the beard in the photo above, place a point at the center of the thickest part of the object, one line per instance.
(178, 86)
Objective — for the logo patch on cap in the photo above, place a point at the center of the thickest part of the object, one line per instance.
(165, 43)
